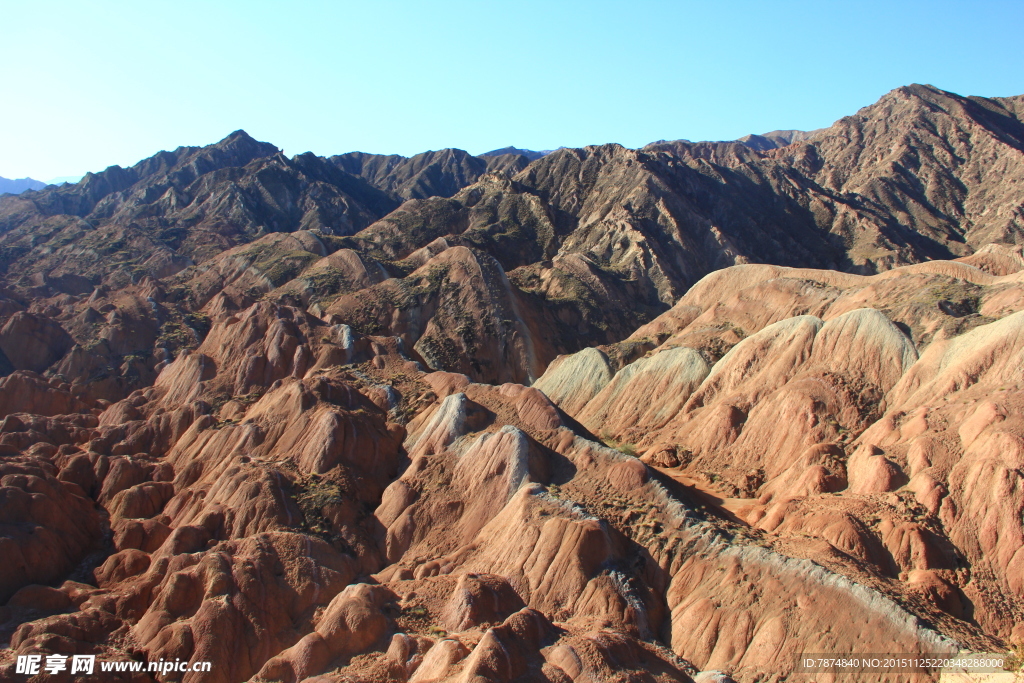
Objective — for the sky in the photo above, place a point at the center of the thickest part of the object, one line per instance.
(89, 84)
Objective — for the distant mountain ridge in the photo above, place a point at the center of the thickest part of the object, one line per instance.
(530, 154)
(61, 180)
(778, 138)
(18, 186)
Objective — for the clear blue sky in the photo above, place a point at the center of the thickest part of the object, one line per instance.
(90, 84)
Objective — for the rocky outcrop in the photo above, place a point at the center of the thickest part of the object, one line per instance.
(32, 342)
(666, 379)
(457, 312)
(572, 381)
(47, 523)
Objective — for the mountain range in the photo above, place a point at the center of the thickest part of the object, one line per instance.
(594, 414)
(8, 186)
